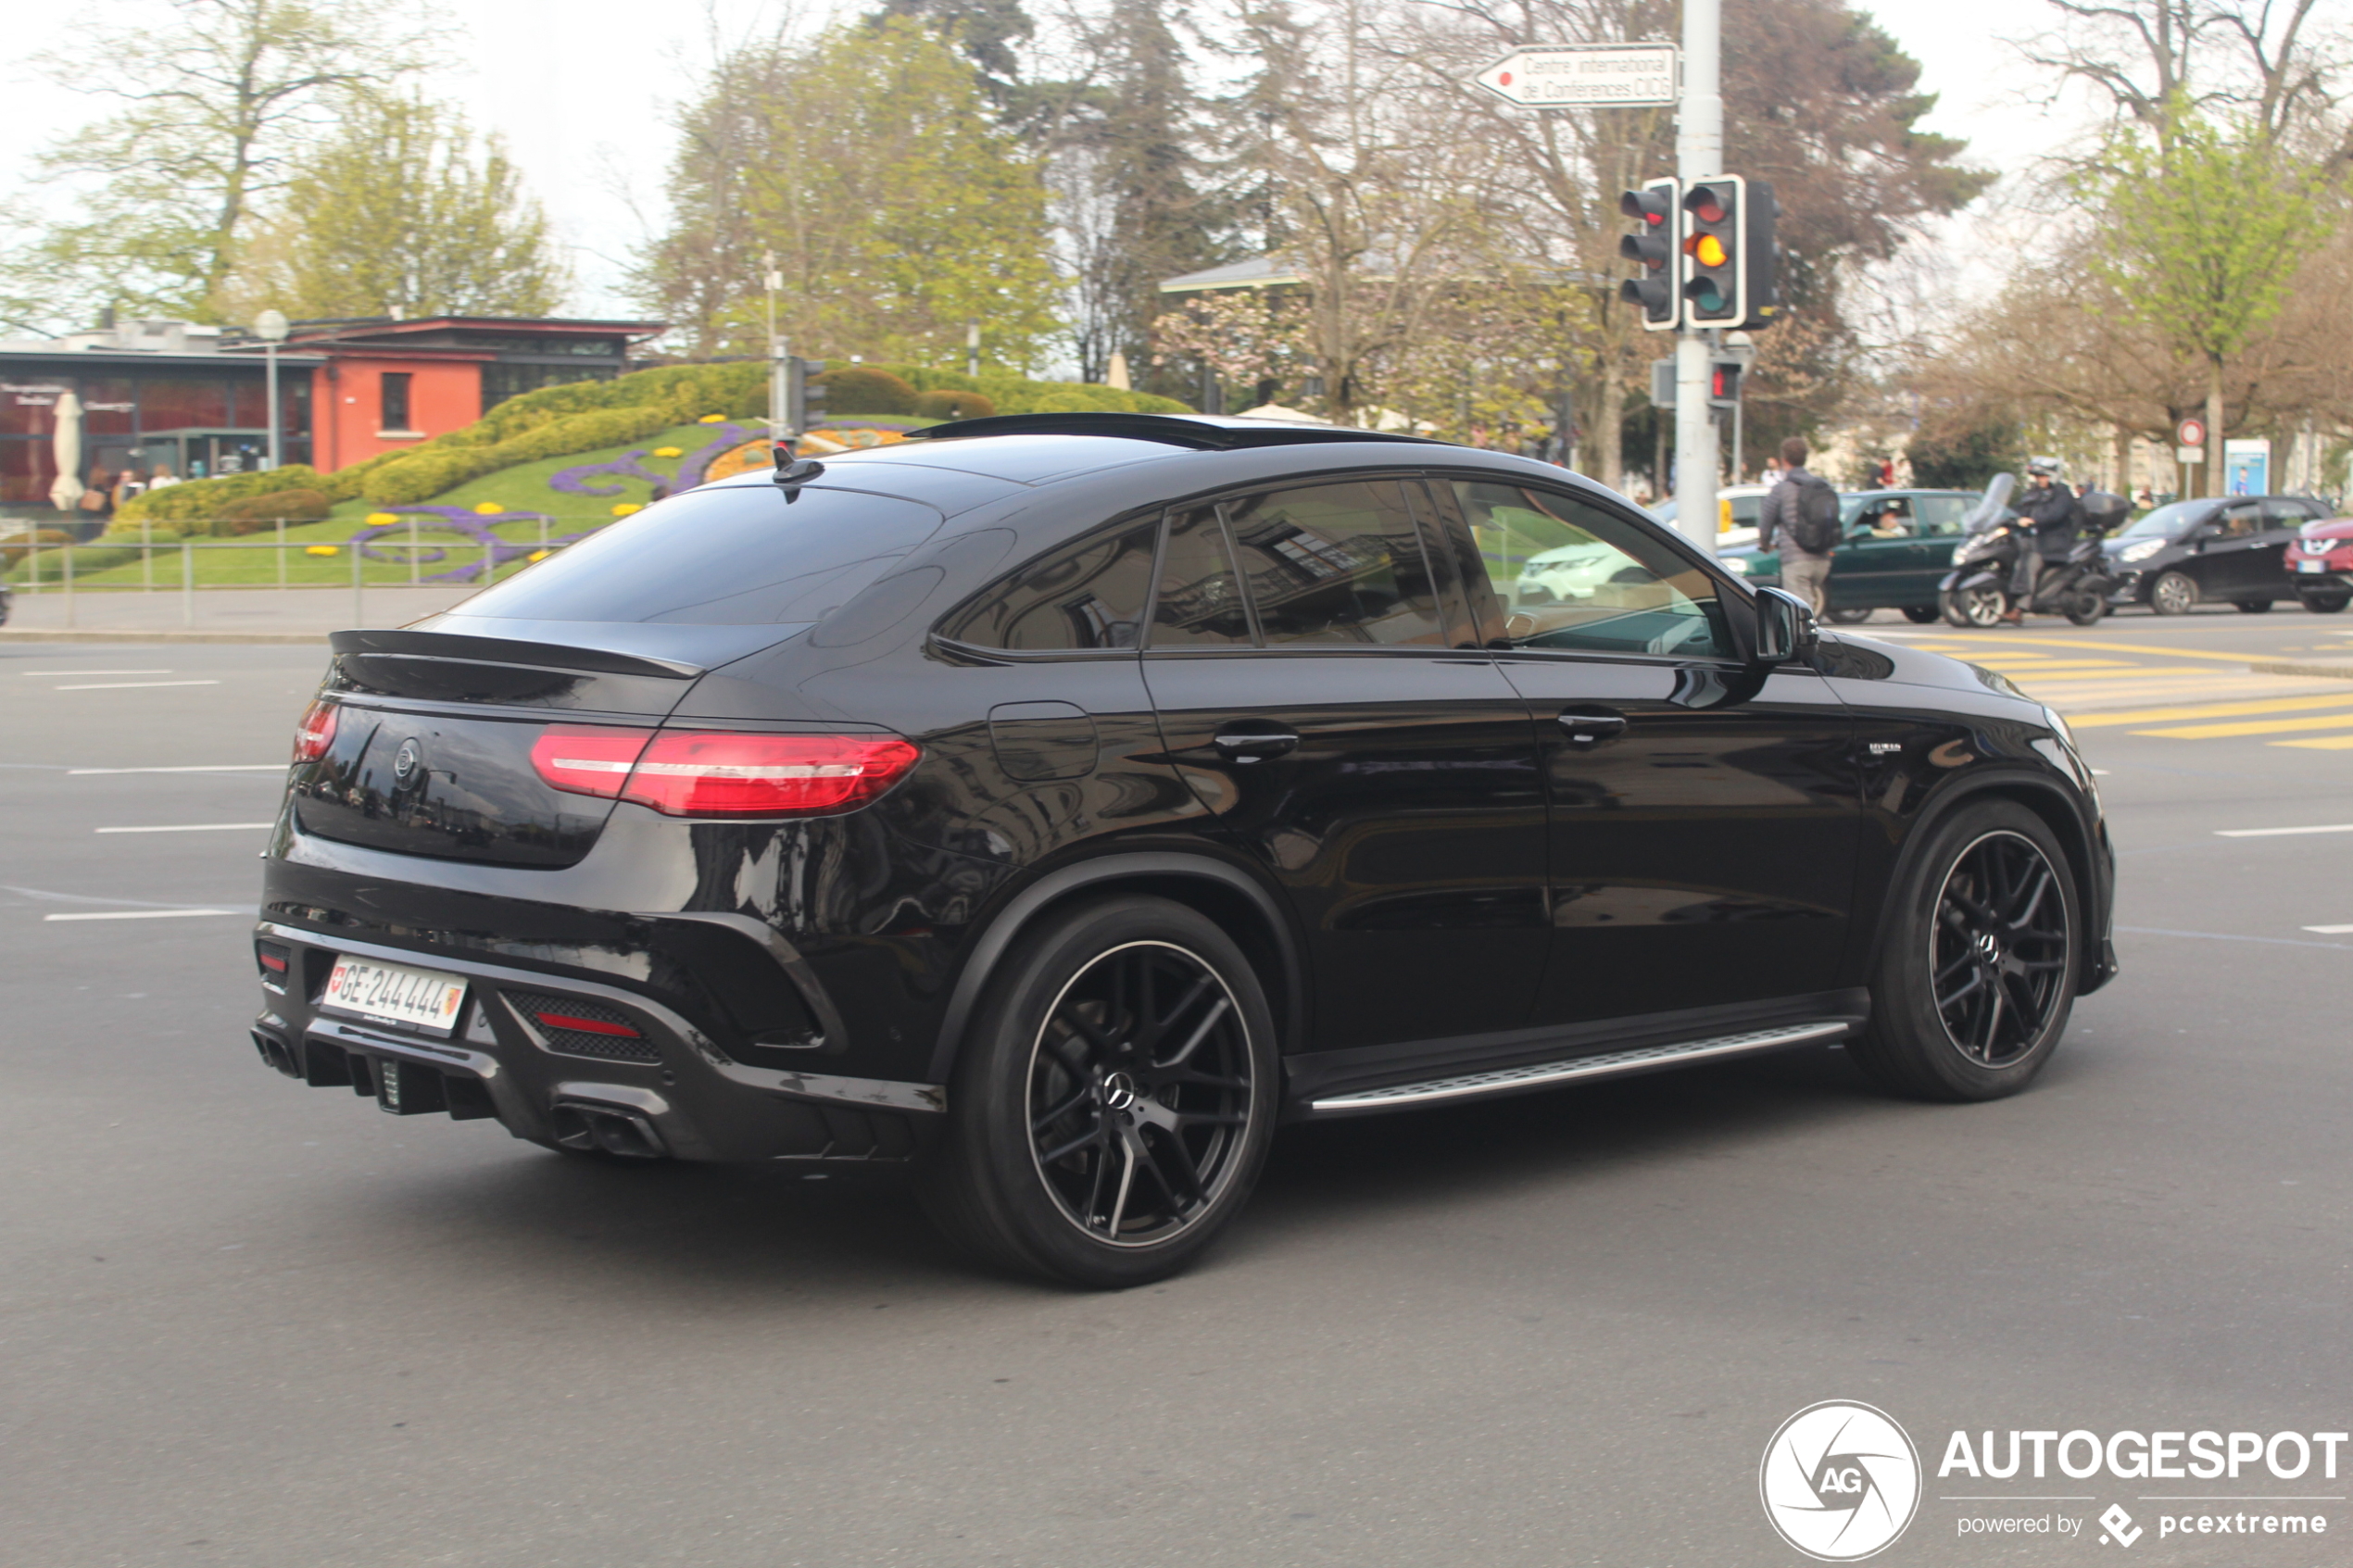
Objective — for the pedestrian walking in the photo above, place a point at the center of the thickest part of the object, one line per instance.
(1799, 519)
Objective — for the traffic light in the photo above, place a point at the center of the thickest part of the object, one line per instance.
(1761, 254)
(1724, 382)
(1713, 252)
(1653, 245)
(804, 397)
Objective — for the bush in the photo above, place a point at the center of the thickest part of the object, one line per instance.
(947, 405)
(866, 389)
(433, 467)
(13, 553)
(255, 513)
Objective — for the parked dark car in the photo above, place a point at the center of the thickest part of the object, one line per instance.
(1897, 546)
(1055, 805)
(2220, 548)
(2319, 562)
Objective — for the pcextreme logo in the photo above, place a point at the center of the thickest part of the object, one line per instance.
(1841, 1480)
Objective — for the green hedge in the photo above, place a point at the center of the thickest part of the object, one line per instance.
(947, 403)
(433, 467)
(866, 389)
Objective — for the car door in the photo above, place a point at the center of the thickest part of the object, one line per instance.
(2283, 521)
(1875, 556)
(2230, 560)
(1301, 658)
(1701, 851)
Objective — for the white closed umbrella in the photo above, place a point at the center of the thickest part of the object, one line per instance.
(67, 444)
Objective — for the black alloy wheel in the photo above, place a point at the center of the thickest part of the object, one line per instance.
(1114, 1100)
(1978, 607)
(2085, 609)
(2173, 593)
(2326, 603)
(1978, 974)
(2253, 607)
(1920, 615)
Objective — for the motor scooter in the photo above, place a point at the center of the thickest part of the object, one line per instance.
(1977, 591)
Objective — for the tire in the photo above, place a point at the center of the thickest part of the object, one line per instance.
(2173, 593)
(1083, 1145)
(1992, 883)
(1847, 616)
(2253, 607)
(2326, 604)
(1922, 615)
(1973, 607)
(2083, 609)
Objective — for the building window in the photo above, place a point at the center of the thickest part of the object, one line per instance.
(395, 401)
(502, 380)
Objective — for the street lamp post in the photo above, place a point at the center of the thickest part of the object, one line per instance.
(271, 327)
(777, 396)
(972, 349)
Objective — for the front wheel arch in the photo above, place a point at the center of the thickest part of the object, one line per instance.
(1223, 892)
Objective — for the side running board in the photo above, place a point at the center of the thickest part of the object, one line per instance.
(1608, 1064)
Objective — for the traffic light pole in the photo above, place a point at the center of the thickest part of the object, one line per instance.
(1699, 155)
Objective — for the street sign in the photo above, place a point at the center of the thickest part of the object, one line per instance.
(2189, 457)
(1583, 75)
(2190, 433)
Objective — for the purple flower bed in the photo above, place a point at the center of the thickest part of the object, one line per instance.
(575, 481)
(460, 519)
(725, 439)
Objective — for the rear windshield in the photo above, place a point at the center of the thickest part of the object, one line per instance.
(736, 555)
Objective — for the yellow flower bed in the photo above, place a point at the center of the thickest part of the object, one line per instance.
(318, 550)
(382, 519)
(625, 508)
(487, 508)
(670, 451)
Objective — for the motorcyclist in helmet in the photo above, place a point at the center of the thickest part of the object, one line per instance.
(2050, 509)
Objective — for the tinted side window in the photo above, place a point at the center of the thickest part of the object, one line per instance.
(2289, 514)
(1199, 603)
(1598, 582)
(731, 554)
(1336, 564)
(2240, 519)
(1088, 595)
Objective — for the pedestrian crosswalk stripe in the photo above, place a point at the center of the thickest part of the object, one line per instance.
(2010, 667)
(2213, 711)
(2326, 742)
(2252, 727)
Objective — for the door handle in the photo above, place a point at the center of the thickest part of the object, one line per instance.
(1584, 729)
(1254, 745)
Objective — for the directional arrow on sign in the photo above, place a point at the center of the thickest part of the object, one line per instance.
(1584, 75)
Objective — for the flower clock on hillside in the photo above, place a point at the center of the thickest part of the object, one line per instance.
(470, 523)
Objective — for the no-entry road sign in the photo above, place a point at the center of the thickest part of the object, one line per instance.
(1579, 75)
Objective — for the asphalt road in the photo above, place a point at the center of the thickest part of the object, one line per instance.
(251, 1324)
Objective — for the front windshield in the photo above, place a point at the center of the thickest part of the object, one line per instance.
(2166, 521)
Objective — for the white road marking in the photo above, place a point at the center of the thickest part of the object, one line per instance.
(2330, 930)
(46, 674)
(138, 914)
(195, 827)
(127, 686)
(192, 768)
(2275, 833)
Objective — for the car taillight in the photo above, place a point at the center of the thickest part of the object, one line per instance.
(587, 759)
(703, 773)
(315, 732)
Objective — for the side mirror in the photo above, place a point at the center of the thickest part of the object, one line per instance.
(1785, 626)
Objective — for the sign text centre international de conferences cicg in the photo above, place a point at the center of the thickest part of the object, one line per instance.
(1591, 73)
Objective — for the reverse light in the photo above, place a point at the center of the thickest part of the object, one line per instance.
(722, 774)
(315, 732)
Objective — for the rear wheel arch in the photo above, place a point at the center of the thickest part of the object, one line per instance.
(1250, 913)
(2047, 800)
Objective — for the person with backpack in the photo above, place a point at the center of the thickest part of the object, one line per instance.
(1799, 519)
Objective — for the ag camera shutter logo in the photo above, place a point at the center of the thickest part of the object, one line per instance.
(1841, 1480)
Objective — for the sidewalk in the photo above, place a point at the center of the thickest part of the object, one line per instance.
(219, 615)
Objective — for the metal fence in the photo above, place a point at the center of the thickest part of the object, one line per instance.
(61, 572)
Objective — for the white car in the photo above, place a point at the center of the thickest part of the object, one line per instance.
(1737, 508)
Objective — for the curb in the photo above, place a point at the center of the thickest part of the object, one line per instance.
(2339, 671)
(16, 635)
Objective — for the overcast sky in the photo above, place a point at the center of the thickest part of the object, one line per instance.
(584, 92)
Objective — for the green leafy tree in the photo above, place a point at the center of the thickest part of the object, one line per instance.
(214, 106)
(896, 207)
(2203, 228)
(403, 213)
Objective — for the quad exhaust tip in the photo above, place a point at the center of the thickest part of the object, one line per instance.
(626, 1135)
(276, 1052)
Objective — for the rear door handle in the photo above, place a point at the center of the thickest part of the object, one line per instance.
(1585, 729)
(1245, 746)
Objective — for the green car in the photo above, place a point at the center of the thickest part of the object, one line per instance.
(1896, 546)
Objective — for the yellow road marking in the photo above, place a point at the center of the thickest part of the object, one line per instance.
(2326, 742)
(2135, 648)
(2072, 664)
(2212, 710)
(2251, 727)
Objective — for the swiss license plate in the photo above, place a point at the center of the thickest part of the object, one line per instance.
(2311, 566)
(393, 994)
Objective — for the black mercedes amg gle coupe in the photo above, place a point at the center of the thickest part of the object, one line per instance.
(1058, 804)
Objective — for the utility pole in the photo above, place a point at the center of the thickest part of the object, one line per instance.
(778, 413)
(972, 349)
(271, 327)
(1699, 155)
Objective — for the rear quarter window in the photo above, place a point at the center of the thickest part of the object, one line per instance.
(747, 555)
